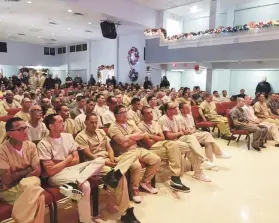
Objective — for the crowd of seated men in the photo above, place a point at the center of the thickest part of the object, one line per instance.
(121, 129)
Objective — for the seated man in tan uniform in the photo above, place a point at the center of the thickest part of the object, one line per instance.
(152, 102)
(19, 174)
(36, 128)
(263, 112)
(9, 102)
(100, 107)
(165, 149)
(250, 115)
(172, 129)
(95, 144)
(56, 103)
(124, 135)
(69, 124)
(204, 138)
(108, 117)
(207, 110)
(24, 113)
(134, 112)
(60, 160)
(79, 109)
(241, 122)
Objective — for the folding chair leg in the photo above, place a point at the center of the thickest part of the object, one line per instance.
(51, 214)
(213, 129)
(55, 212)
(95, 200)
(238, 138)
(128, 178)
(248, 142)
(219, 133)
(230, 140)
(153, 181)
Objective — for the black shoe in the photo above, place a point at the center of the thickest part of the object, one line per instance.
(110, 179)
(262, 146)
(233, 138)
(129, 217)
(257, 148)
(276, 145)
(227, 137)
(177, 185)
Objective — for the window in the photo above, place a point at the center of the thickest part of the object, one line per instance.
(84, 47)
(174, 27)
(64, 49)
(72, 49)
(59, 51)
(78, 48)
(46, 50)
(52, 51)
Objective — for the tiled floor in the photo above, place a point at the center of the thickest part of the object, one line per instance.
(245, 190)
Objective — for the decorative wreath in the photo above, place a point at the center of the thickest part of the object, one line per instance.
(133, 56)
(103, 67)
(133, 75)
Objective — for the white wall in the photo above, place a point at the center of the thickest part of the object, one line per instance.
(78, 60)
(125, 44)
(221, 80)
(103, 52)
(174, 78)
(9, 70)
(190, 78)
(25, 54)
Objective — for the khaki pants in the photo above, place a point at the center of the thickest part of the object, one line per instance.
(152, 162)
(121, 192)
(259, 132)
(80, 174)
(210, 146)
(28, 201)
(274, 121)
(170, 151)
(272, 129)
(222, 124)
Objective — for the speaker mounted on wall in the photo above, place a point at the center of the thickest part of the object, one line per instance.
(3, 47)
(109, 29)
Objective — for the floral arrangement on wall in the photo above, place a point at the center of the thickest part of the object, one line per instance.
(103, 67)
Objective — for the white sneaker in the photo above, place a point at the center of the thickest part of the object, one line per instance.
(208, 165)
(136, 195)
(202, 177)
(223, 156)
(149, 188)
(71, 193)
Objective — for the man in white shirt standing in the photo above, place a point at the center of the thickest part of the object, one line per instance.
(250, 115)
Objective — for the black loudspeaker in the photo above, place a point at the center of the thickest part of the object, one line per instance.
(3, 47)
(108, 30)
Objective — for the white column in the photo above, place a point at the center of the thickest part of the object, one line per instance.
(230, 16)
(160, 19)
(88, 60)
(214, 16)
(67, 59)
(209, 74)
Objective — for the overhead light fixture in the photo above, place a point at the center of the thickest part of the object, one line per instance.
(70, 10)
(33, 25)
(29, 2)
(89, 23)
(9, 34)
(178, 70)
(52, 33)
(194, 9)
(69, 28)
(39, 37)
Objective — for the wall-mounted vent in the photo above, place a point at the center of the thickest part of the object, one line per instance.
(88, 31)
(52, 23)
(21, 34)
(78, 14)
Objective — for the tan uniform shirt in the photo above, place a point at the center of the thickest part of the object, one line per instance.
(168, 125)
(134, 116)
(50, 111)
(108, 117)
(80, 119)
(156, 113)
(3, 111)
(23, 115)
(7, 105)
(153, 128)
(187, 122)
(121, 131)
(96, 144)
(144, 101)
(262, 109)
(70, 126)
(208, 108)
(18, 98)
(3, 135)
(100, 111)
(37, 133)
(185, 101)
(57, 149)
(126, 101)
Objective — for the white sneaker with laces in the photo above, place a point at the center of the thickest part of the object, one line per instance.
(208, 165)
(71, 193)
(202, 177)
(149, 188)
(223, 156)
(136, 196)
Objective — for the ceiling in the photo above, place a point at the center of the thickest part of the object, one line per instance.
(48, 22)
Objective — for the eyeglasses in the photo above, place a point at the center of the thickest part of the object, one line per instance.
(122, 113)
(21, 129)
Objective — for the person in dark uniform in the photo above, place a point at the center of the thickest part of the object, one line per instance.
(165, 83)
(57, 80)
(77, 81)
(69, 81)
(92, 80)
(147, 83)
(264, 86)
(49, 83)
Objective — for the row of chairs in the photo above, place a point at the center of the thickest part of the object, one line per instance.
(224, 110)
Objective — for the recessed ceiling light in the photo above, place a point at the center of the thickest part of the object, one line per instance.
(39, 37)
(89, 23)
(33, 25)
(52, 33)
(9, 34)
(69, 28)
(194, 9)
(29, 2)
(70, 10)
